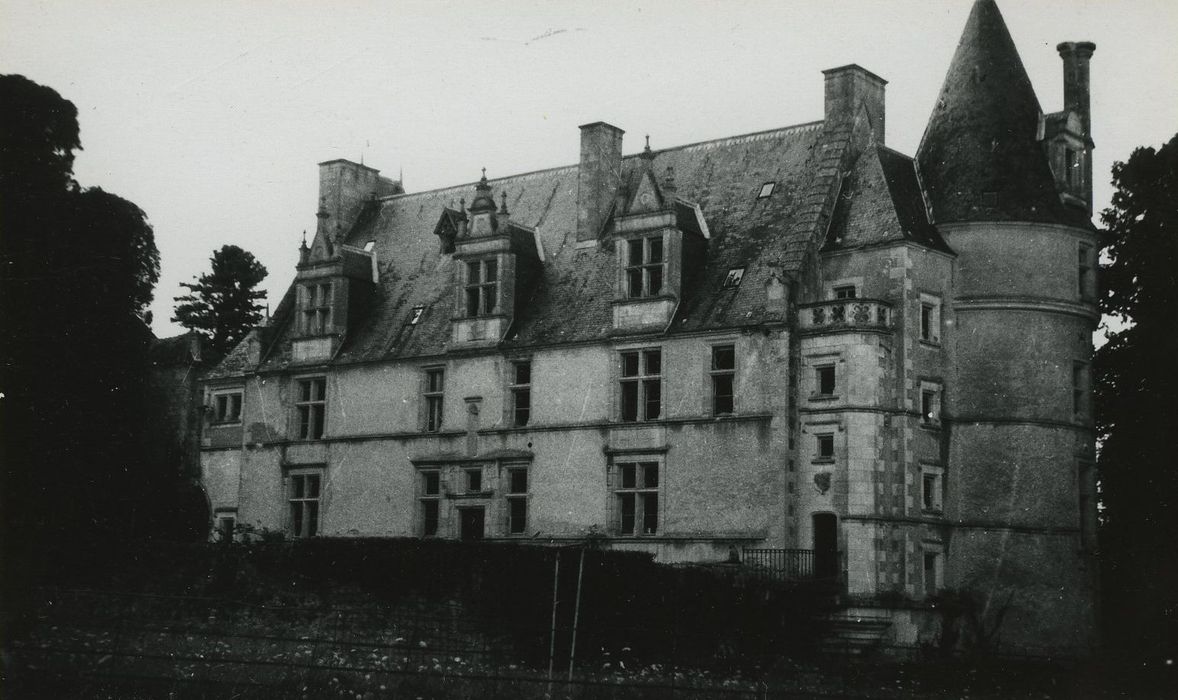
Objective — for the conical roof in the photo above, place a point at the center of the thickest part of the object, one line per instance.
(980, 158)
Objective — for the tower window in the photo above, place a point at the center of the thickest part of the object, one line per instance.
(845, 292)
(1084, 271)
(824, 380)
(825, 446)
(645, 264)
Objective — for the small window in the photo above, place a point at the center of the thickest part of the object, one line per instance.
(637, 494)
(417, 312)
(482, 287)
(644, 267)
(305, 490)
(824, 380)
(521, 392)
(435, 384)
(932, 570)
(1079, 389)
(316, 316)
(930, 404)
(723, 379)
(641, 385)
(517, 500)
(845, 292)
(226, 524)
(766, 190)
(227, 407)
(930, 318)
(732, 280)
(825, 446)
(311, 408)
(430, 501)
(474, 480)
(1084, 272)
(931, 489)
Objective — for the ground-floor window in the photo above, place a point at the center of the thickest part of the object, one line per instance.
(304, 494)
(636, 491)
(516, 500)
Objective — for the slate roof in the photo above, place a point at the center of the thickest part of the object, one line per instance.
(571, 302)
(980, 159)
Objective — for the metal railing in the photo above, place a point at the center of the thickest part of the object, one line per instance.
(780, 564)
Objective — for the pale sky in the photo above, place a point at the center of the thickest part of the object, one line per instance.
(212, 116)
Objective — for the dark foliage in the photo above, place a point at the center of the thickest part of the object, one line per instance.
(1136, 407)
(77, 268)
(223, 304)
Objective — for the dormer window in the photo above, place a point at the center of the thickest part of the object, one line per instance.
(766, 190)
(316, 311)
(482, 287)
(645, 264)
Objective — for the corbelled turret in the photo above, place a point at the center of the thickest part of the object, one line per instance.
(980, 158)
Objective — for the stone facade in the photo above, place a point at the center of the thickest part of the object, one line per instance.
(797, 339)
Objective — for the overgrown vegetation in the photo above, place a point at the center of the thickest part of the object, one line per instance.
(224, 303)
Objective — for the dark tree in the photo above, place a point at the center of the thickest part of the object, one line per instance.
(77, 269)
(1137, 401)
(223, 304)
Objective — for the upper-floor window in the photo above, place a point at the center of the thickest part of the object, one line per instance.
(644, 266)
(846, 291)
(931, 488)
(930, 318)
(311, 408)
(316, 308)
(930, 403)
(521, 392)
(227, 407)
(474, 479)
(723, 379)
(637, 494)
(1079, 389)
(824, 447)
(1084, 272)
(824, 380)
(482, 287)
(303, 498)
(641, 385)
(435, 384)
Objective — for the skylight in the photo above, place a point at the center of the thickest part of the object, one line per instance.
(734, 276)
(369, 246)
(417, 311)
(766, 189)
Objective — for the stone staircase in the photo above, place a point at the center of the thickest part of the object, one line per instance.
(855, 632)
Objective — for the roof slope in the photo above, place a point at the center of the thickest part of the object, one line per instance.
(980, 157)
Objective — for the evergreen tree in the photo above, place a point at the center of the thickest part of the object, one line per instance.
(223, 304)
(1137, 401)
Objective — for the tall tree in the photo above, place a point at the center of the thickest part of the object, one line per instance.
(1137, 400)
(77, 269)
(223, 304)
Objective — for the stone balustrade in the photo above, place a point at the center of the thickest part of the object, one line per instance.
(846, 314)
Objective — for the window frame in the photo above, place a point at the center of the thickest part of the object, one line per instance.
(642, 381)
(429, 501)
(929, 321)
(517, 389)
(307, 409)
(218, 417)
(936, 552)
(511, 497)
(931, 404)
(315, 313)
(433, 398)
(645, 268)
(476, 287)
(845, 291)
(302, 504)
(821, 441)
(1084, 272)
(932, 500)
(1080, 390)
(718, 375)
(640, 495)
(821, 373)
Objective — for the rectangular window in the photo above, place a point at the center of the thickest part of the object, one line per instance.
(930, 404)
(723, 379)
(521, 392)
(824, 446)
(930, 319)
(641, 385)
(317, 308)
(933, 561)
(637, 494)
(311, 407)
(482, 287)
(305, 490)
(226, 524)
(474, 480)
(1084, 272)
(845, 292)
(517, 500)
(1079, 389)
(644, 267)
(435, 381)
(931, 488)
(431, 500)
(824, 380)
(227, 407)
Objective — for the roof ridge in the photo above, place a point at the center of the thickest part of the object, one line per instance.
(725, 140)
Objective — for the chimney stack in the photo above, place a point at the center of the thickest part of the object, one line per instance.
(598, 178)
(1075, 55)
(848, 87)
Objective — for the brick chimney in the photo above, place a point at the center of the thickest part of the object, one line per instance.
(847, 87)
(1075, 55)
(599, 176)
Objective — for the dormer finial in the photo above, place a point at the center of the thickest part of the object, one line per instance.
(503, 198)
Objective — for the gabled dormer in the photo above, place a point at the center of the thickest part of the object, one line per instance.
(1066, 135)
(658, 241)
(333, 283)
(495, 261)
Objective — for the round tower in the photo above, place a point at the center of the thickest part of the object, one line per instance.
(1018, 431)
